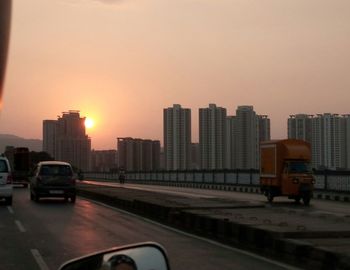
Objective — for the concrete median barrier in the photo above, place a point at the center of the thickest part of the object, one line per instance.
(309, 241)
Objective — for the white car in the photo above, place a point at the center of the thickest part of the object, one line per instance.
(6, 187)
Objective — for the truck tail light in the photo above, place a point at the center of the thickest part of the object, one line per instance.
(9, 179)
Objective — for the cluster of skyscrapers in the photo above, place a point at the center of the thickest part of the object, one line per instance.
(225, 142)
(329, 135)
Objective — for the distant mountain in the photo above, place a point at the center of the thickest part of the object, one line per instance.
(13, 140)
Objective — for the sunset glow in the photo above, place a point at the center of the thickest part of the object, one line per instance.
(89, 123)
(122, 62)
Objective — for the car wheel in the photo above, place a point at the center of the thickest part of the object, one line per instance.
(9, 200)
(25, 185)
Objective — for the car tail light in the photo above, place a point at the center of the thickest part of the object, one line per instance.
(9, 179)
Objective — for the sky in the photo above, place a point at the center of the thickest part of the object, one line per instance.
(121, 62)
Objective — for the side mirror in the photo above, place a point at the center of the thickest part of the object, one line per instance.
(143, 256)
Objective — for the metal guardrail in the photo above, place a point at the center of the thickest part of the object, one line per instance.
(332, 181)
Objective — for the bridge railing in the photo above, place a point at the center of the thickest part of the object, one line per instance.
(326, 180)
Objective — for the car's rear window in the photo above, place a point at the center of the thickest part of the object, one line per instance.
(62, 170)
(3, 166)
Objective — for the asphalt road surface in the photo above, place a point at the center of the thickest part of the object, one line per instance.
(43, 235)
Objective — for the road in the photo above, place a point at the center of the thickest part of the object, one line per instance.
(45, 234)
(317, 207)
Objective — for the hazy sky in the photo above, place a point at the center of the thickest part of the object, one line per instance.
(122, 62)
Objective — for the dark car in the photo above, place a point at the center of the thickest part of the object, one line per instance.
(53, 179)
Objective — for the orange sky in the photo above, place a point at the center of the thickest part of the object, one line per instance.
(122, 62)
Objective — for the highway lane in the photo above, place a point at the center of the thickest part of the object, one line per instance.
(53, 231)
(317, 207)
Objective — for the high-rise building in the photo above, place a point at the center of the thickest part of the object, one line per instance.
(138, 154)
(300, 127)
(264, 128)
(103, 160)
(212, 137)
(195, 156)
(247, 152)
(244, 132)
(49, 137)
(347, 139)
(177, 138)
(328, 141)
(328, 135)
(231, 142)
(71, 144)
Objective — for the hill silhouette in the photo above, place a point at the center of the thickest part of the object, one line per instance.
(13, 140)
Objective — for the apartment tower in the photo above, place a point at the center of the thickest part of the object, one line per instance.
(247, 136)
(177, 138)
(212, 137)
(71, 144)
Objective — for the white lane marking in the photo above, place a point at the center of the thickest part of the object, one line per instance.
(39, 259)
(10, 209)
(20, 226)
(247, 253)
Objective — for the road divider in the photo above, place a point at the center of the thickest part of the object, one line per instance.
(311, 242)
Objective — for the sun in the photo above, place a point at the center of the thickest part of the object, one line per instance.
(89, 122)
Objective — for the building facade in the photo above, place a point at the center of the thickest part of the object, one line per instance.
(212, 137)
(300, 127)
(49, 136)
(329, 137)
(247, 136)
(244, 132)
(71, 143)
(264, 127)
(177, 138)
(103, 160)
(138, 154)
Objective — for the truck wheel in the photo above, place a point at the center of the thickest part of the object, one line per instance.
(269, 196)
(306, 200)
(297, 200)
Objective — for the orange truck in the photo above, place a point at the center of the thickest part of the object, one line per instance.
(285, 170)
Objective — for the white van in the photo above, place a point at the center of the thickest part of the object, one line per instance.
(6, 187)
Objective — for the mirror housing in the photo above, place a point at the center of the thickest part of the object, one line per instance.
(141, 256)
